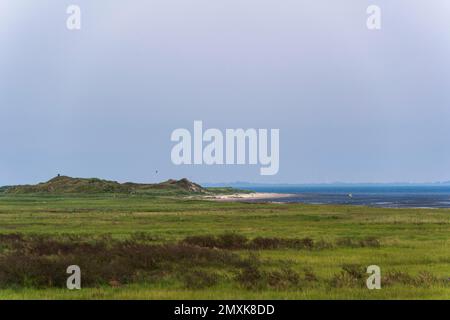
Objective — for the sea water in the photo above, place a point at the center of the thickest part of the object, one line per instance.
(389, 196)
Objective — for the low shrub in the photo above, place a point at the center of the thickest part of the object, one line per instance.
(355, 243)
(284, 279)
(422, 279)
(43, 263)
(198, 279)
(250, 277)
(232, 241)
(352, 275)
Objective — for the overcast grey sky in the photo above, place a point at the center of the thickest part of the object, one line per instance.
(351, 104)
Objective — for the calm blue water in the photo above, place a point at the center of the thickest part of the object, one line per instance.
(411, 196)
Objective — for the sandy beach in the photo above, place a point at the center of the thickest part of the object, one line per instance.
(249, 196)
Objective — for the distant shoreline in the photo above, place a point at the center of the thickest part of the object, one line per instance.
(381, 197)
(249, 196)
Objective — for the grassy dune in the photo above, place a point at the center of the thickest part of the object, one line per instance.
(219, 250)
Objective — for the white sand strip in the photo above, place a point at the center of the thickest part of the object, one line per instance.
(249, 196)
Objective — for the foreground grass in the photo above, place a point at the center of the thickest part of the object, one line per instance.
(411, 240)
(224, 293)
